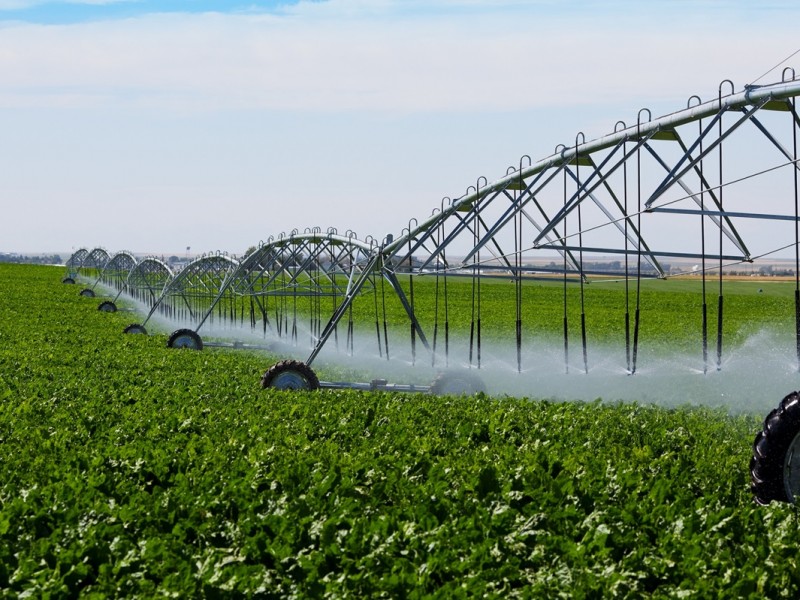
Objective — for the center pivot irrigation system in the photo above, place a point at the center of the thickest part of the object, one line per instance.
(694, 187)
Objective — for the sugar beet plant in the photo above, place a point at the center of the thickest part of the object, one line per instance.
(132, 470)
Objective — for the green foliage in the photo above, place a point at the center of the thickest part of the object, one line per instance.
(133, 470)
(671, 310)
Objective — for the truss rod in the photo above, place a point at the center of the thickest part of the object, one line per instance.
(635, 252)
(750, 96)
(738, 215)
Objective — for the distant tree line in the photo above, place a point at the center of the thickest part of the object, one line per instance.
(771, 271)
(613, 267)
(38, 259)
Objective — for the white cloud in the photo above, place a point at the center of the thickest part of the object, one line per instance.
(347, 55)
(23, 4)
(364, 113)
(18, 4)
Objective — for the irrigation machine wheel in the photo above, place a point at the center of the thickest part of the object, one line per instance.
(107, 306)
(775, 465)
(185, 338)
(135, 328)
(290, 375)
(457, 383)
(69, 280)
(87, 293)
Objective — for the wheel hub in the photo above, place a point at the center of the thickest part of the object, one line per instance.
(290, 380)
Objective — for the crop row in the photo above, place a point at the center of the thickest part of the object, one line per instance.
(133, 470)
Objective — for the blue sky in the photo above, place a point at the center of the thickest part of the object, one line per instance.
(77, 11)
(152, 126)
(64, 12)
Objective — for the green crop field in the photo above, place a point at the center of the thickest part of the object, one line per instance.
(132, 470)
(671, 309)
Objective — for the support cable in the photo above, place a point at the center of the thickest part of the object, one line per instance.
(775, 67)
(720, 299)
(316, 292)
(437, 236)
(446, 312)
(475, 320)
(349, 343)
(411, 298)
(334, 296)
(703, 259)
(566, 321)
(312, 300)
(435, 316)
(477, 238)
(294, 316)
(627, 266)
(383, 307)
(580, 260)
(281, 308)
(796, 236)
(377, 315)
(635, 353)
(517, 198)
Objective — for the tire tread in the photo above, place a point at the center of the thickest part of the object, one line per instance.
(770, 446)
(290, 365)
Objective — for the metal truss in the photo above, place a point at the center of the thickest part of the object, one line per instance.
(648, 200)
(293, 278)
(192, 290)
(690, 191)
(117, 270)
(94, 263)
(147, 281)
(88, 265)
(671, 165)
(74, 263)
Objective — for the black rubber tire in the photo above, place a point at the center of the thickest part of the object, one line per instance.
(457, 383)
(68, 280)
(771, 448)
(135, 328)
(290, 375)
(185, 338)
(87, 293)
(107, 306)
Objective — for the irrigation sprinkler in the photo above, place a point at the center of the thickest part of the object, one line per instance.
(282, 291)
(180, 297)
(145, 284)
(297, 375)
(90, 268)
(114, 276)
(289, 283)
(73, 265)
(642, 202)
(697, 192)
